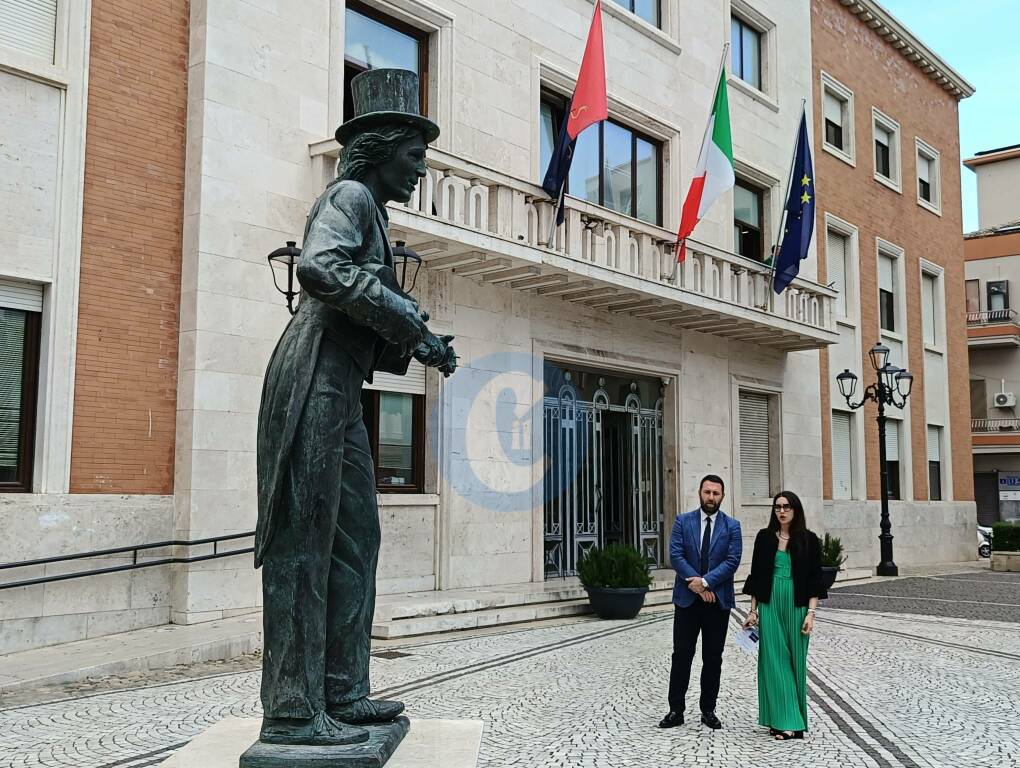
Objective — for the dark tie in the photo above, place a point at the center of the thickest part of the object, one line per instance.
(706, 544)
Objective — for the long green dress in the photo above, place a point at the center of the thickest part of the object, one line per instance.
(782, 655)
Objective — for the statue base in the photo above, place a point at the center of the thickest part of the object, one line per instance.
(429, 744)
(382, 742)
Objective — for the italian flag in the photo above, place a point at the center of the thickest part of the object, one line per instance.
(714, 174)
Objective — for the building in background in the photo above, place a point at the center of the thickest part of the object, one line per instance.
(889, 225)
(92, 132)
(993, 334)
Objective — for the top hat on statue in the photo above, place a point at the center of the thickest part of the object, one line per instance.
(385, 97)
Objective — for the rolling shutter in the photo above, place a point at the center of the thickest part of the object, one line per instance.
(12, 371)
(892, 440)
(934, 443)
(17, 295)
(754, 445)
(29, 26)
(413, 383)
(842, 456)
(833, 109)
(835, 260)
(886, 269)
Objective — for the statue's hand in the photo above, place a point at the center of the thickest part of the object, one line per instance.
(436, 352)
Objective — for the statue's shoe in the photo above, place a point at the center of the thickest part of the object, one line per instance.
(319, 731)
(366, 710)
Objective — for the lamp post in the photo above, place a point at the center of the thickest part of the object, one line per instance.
(287, 257)
(892, 387)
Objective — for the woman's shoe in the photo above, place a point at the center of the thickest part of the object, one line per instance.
(787, 735)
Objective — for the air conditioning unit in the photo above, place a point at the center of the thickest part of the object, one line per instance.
(1005, 400)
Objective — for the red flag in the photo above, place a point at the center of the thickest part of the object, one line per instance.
(590, 104)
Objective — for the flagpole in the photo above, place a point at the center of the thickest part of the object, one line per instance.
(556, 215)
(718, 77)
(785, 213)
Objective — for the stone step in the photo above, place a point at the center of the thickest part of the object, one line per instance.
(510, 614)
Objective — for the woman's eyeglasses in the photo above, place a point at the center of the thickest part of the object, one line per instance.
(781, 507)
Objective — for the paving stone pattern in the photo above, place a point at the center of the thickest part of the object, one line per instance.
(887, 690)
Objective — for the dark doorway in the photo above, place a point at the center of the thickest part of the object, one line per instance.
(986, 494)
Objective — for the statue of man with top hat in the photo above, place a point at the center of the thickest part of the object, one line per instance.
(317, 539)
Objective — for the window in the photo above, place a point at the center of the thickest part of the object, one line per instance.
(887, 153)
(928, 187)
(19, 366)
(892, 456)
(745, 52)
(613, 166)
(842, 455)
(837, 111)
(643, 9)
(755, 445)
(930, 305)
(29, 26)
(396, 432)
(973, 295)
(837, 257)
(934, 463)
(748, 220)
(374, 41)
(978, 399)
(887, 292)
(998, 295)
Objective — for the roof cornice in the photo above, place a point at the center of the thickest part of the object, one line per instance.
(997, 157)
(902, 39)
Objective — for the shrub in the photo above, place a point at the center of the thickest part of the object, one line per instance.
(1005, 537)
(614, 567)
(832, 552)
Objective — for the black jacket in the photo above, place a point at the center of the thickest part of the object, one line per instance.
(806, 562)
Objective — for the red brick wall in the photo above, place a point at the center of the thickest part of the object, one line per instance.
(126, 367)
(880, 76)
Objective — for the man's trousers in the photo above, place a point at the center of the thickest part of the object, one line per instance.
(711, 621)
(318, 576)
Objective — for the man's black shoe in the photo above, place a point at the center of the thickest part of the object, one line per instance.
(672, 720)
(709, 719)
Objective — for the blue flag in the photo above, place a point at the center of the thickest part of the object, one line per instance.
(800, 214)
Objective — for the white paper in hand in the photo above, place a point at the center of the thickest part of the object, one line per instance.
(747, 640)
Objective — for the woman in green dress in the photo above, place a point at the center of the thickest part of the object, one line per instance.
(785, 584)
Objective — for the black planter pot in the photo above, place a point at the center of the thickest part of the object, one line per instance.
(622, 603)
(829, 576)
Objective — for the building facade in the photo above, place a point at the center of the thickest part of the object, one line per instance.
(598, 381)
(993, 335)
(889, 223)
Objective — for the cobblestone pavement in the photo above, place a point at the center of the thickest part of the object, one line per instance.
(975, 595)
(887, 690)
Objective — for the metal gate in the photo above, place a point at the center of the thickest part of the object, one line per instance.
(586, 455)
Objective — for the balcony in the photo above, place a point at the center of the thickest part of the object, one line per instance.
(992, 328)
(494, 228)
(994, 435)
(984, 426)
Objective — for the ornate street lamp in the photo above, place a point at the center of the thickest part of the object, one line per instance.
(287, 257)
(892, 387)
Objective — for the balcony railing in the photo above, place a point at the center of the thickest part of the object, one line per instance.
(991, 317)
(479, 222)
(994, 425)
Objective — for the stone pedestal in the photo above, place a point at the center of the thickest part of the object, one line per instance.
(429, 744)
(382, 742)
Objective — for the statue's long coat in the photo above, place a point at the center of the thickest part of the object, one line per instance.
(345, 253)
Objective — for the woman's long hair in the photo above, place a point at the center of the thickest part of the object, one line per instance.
(798, 526)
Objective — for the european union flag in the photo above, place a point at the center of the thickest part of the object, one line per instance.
(800, 214)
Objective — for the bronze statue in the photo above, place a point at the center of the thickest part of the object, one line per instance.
(317, 539)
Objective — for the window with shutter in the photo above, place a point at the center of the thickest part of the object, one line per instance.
(29, 26)
(892, 456)
(887, 292)
(842, 455)
(834, 121)
(934, 463)
(755, 448)
(837, 252)
(929, 303)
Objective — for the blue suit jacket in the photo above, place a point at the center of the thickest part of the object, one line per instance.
(723, 557)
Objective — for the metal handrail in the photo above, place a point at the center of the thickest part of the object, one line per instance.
(991, 316)
(994, 425)
(134, 565)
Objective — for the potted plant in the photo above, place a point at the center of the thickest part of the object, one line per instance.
(616, 579)
(1005, 547)
(832, 559)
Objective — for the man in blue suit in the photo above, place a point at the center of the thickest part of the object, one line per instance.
(704, 550)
